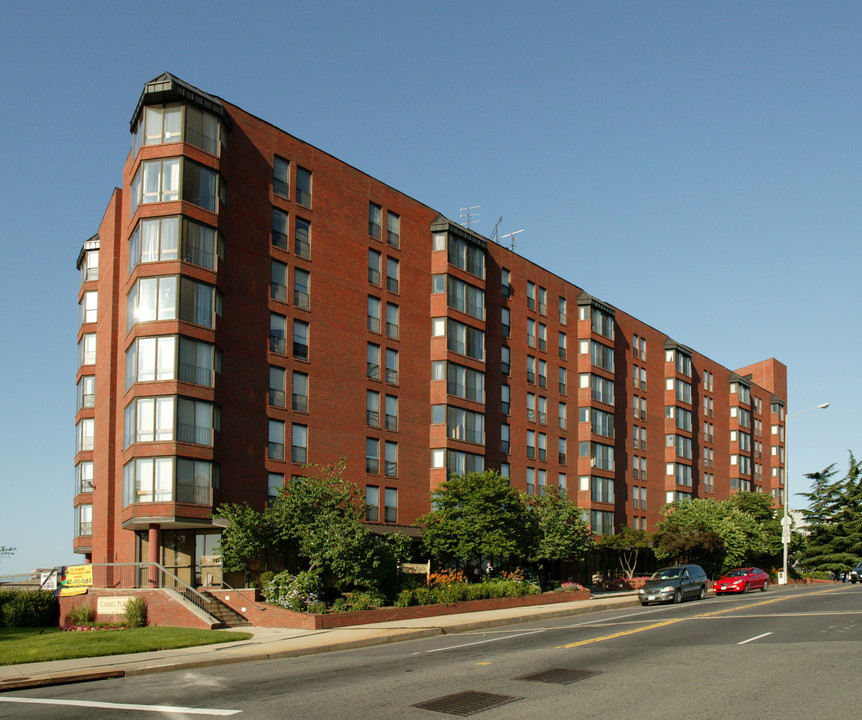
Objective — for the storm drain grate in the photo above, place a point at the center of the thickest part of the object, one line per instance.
(558, 676)
(466, 703)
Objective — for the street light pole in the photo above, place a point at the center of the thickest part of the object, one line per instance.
(785, 521)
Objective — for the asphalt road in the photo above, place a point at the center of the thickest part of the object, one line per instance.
(787, 653)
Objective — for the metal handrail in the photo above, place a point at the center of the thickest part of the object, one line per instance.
(239, 592)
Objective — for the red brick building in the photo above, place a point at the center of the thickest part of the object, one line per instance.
(251, 303)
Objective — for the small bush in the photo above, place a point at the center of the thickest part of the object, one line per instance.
(406, 598)
(358, 600)
(265, 578)
(80, 615)
(294, 592)
(136, 612)
(32, 608)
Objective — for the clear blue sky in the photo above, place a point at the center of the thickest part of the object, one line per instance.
(698, 165)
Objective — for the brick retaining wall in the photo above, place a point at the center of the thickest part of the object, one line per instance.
(162, 607)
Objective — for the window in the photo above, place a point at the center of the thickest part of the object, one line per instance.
(155, 240)
(531, 295)
(374, 220)
(84, 477)
(372, 408)
(505, 360)
(279, 229)
(372, 456)
(601, 489)
(277, 333)
(562, 311)
(562, 380)
(299, 444)
(85, 434)
(561, 450)
(275, 450)
(601, 322)
(196, 421)
(300, 340)
(390, 507)
(601, 355)
(543, 446)
(392, 274)
(200, 186)
(373, 314)
(391, 414)
(87, 350)
(391, 321)
(299, 401)
(274, 484)
(467, 256)
(199, 303)
(393, 229)
(89, 307)
(390, 465)
(201, 244)
(463, 462)
(531, 481)
(303, 186)
(601, 422)
(83, 520)
(561, 415)
(506, 282)
(281, 177)
(465, 425)
(161, 124)
(541, 481)
(505, 439)
(601, 389)
(465, 340)
(601, 456)
(601, 522)
(391, 366)
(543, 336)
(465, 298)
(148, 480)
(302, 238)
(372, 503)
(542, 298)
(301, 288)
(152, 299)
(373, 361)
(505, 322)
(276, 386)
(531, 369)
(531, 407)
(531, 333)
(156, 181)
(531, 444)
(542, 375)
(505, 399)
(681, 472)
(278, 281)
(562, 345)
(374, 265)
(465, 382)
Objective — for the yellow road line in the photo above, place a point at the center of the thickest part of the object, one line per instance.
(735, 608)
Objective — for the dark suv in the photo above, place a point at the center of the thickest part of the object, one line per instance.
(855, 574)
(674, 584)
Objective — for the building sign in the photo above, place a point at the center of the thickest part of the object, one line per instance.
(112, 605)
(48, 581)
(74, 580)
(416, 568)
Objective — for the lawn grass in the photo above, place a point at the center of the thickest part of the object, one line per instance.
(27, 645)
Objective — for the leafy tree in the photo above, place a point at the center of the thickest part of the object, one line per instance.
(834, 519)
(476, 515)
(765, 546)
(314, 524)
(628, 543)
(712, 533)
(560, 530)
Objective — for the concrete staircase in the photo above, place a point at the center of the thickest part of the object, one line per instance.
(227, 616)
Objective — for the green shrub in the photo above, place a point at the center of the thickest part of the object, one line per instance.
(136, 612)
(452, 592)
(264, 579)
(32, 608)
(317, 608)
(6, 596)
(80, 615)
(405, 598)
(295, 592)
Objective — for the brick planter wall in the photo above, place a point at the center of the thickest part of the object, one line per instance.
(249, 603)
(162, 608)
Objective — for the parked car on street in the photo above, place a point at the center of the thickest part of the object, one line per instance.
(742, 580)
(674, 584)
(856, 574)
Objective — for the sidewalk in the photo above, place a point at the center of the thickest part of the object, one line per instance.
(269, 643)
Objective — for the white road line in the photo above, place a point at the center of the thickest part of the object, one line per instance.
(754, 638)
(479, 642)
(121, 706)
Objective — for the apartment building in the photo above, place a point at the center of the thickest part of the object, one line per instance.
(251, 304)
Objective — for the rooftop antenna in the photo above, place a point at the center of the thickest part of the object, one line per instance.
(512, 236)
(467, 212)
(494, 237)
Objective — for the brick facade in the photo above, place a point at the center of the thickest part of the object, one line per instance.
(678, 424)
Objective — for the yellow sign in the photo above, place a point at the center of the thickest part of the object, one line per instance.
(78, 576)
(66, 592)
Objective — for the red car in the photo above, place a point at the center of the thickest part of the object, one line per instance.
(742, 580)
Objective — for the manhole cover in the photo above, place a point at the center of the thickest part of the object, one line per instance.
(558, 676)
(466, 703)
